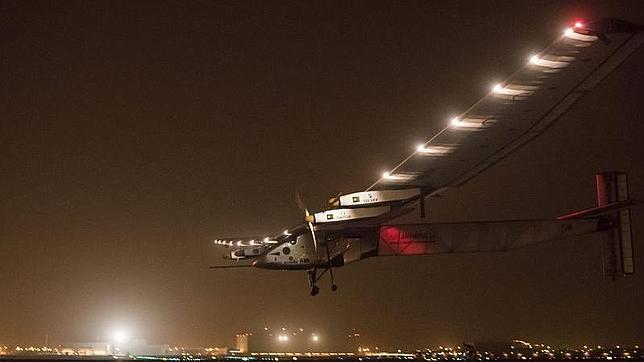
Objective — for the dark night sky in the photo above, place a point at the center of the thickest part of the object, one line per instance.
(133, 133)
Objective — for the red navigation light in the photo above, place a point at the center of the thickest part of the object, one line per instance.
(578, 24)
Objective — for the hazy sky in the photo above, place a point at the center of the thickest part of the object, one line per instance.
(134, 133)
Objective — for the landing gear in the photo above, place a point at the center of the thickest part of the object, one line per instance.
(311, 274)
(334, 287)
(313, 278)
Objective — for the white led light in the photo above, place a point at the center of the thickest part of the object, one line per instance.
(434, 150)
(534, 59)
(455, 121)
(398, 177)
(497, 88)
(572, 34)
(554, 62)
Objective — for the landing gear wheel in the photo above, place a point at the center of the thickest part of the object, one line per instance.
(334, 287)
(315, 290)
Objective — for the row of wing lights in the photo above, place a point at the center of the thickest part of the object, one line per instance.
(252, 242)
(499, 89)
(242, 242)
(457, 122)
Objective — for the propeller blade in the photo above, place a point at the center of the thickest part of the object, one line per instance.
(315, 240)
(300, 202)
(308, 218)
(334, 201)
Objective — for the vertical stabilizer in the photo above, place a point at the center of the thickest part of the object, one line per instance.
(617, 244)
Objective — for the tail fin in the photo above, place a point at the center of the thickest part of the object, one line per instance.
(617, 243)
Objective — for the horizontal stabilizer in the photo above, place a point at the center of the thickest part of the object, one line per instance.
(230, 266)
(599, 211)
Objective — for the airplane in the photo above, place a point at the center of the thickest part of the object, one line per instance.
(354, 225)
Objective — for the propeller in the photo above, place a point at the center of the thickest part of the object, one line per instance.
(308, 218)
(334, 201)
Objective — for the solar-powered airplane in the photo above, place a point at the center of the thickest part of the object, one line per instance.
(354, 226)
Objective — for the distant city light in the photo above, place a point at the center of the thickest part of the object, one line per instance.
(315, 338)
(282, 338)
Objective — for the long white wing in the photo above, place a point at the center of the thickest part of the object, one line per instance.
(519, 109)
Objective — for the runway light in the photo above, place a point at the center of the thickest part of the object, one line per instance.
(120, 335)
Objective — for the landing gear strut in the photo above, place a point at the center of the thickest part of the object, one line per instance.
(313, 277)
(334, 287)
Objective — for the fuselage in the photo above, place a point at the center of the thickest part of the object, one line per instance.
(297, 253)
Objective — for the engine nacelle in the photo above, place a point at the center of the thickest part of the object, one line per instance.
(378, 197)
(338, 215)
